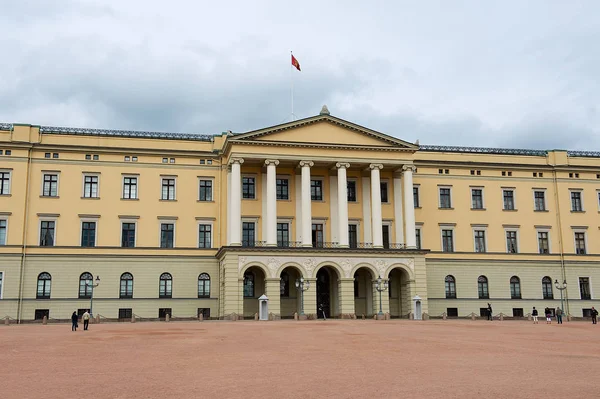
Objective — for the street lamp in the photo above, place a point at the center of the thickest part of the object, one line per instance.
(302, 286)
(380, 286)
(561, 289)
(92, 296)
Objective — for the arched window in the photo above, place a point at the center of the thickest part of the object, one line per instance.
(515, 288)
(547, 288)
(165, 285)
(450, 287)
(126, 286)
(85, 285)
(43, 286)
(204, 285)
(482, 287)
(248, 285)
(284, 285)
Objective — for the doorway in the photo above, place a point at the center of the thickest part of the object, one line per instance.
(323, 293)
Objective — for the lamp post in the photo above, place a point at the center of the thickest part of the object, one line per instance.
(380, 286)
(92, 296)
(302, 286)
(561, 288)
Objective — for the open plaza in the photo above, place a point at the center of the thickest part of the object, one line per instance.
(302, 359)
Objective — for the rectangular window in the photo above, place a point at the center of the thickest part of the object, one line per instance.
(40, 313)
(445, 200)
(317, 235)
(4, 183)
(384, 191)
(543, 242)
(539, 200)
(452, 312)
(509, 200)
(480, 241)
(584, 288)
(125, 313)
(477, 198)
(3, 223)
(47, 231)
(163, 312)
(204, 235)
(316, 190)
(283, 235)
(205, 190)
(447, 240)
(282, 189)
(248, 234)
(248, 187)
(167, 231)
(205, 312)
(352, 236)
(511, 242)
(50, 188)
(128, 235)
(580, 243)
(385, 235)
(416, 197)
(130, 188)
(90, 186)
(351, 185)
(576, 203)
(517, 312)
(88, 234)
(418, 238)
(168, 190)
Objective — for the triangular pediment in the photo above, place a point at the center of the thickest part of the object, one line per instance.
(324, 130)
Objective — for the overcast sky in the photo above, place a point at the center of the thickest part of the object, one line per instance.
(508, 74)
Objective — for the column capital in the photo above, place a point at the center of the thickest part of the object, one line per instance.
(271, 162)
(236, 160)
(340, 165)
(375, 166)
(310, 164)
(409, 167)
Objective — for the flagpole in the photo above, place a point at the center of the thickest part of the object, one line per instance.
(292, 84)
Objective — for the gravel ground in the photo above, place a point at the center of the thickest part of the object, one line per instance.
(310, 359)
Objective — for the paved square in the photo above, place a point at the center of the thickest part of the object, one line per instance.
(313, 359)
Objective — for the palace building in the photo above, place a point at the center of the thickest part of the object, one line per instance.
(149, 224)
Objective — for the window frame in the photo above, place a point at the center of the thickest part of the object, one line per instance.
(480, 293)
(356, 226)
(384, 183)
(315, 222)
(86, 287)
(451, 229)
(585, 246)
(245, 279)
(589, 287)
(50, 173)
(204, 281)
(419, 237)
(322, 189)
(520, 294)
(128, 221)
(212, 188)
(5, 220)
(167, 179)
(137, 187)
(54, 239)
(547, 281)
(84, 193)
(8, 181)
(547, 232)
(417, 198)
(283, 244)
(450, 200)
(355, 182)
(209, 223)
(49, 288)
(545, 204)
(165, 291)
(511, 230)
(254, 223)
(88, 220)
(253, 185)
(581, 202)
(121, 280)
(514, 199)
(483, 229)
(160, 231)
(279, 188)
(481, 189)
(450, 287)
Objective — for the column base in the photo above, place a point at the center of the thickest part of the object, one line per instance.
(271, 245)
(378, 246)
(343, 246)
(306, 245)
(235, 244)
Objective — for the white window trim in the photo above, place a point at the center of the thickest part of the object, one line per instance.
(9, 180)
(540, 230)
(162, 179)
(212, 232)
(389, 194)
(576, 190)
(5, 218)
(355, 180)
(57, 173)
(135, 236)
(485, 238)
(516, 229)
(533, 191)
(287, 221)
(48, 219)
(250, 220)
(255, 177)
(2, 283)
(590, 284)
(137, 187)
(420, 228)
(288, 178)
(90, 219)
(482, 197)
(514, 191)
(319, 221)
(174, 223)
(447, 227)
(212, 193)
(322, 180)
(418, 187)
(84, 175)
(440, 196)
(585, 240)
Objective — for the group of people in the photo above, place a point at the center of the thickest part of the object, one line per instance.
(75, 321)
(558, 313)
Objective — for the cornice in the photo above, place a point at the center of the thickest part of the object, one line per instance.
(318, 145)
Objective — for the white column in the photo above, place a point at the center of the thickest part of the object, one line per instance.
(271, 202)
(399, 225)
(376, 205)
(236, 201)
(342, 203)
(306, 204)
(409, 206)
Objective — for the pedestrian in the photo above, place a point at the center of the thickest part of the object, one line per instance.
(548, 316)
(74, 321)
(559, 315)
(594, 315)
(86, 320)
(534, 313)
(489, 312)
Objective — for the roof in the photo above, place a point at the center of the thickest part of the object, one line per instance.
(483, 150)
(5, 126)
(125, 133)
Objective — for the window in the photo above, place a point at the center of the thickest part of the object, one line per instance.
(517, 312)
(204, 235)
(384, 191)
(515, 288)
(167, 231)
(351, 190)
(482, 287)
(96, 157)
(511, 242)
(385, 236)
(163, 312)
(202, 161)
(41, 313)
(127, 158)
(418, 237)
(204, 285)
(209, 162)
(205, 190)
(130, 188)
(452, 312)
(205, 312)
(282, 189)
(55, 155)
(248, 285)
(47, 155)
(416, 197)
(576, 202)
(580, 243)
(248, 234)
(88, 234)
(317, 235)
(125, 313)
(539, 198)
(171, 160)
(584, 288)
(90, 187)
(283, 235)
(543, 242)
(168, 189)
(477, 198)
(450, 287)
(316, 190)
(85, 285)
(480, 241)
(447, 241)
(126, 290)
(8, 152)
(165, 284)
(248, 188)
(44, 282)
(50, 187)
(165, 160)
(445, 200)
(547, 288)
(4, 183)
(47, 233)
(284, 285)
(3, 228)
(134, 159)
(509, 200)
(128, 235)
(352, 236)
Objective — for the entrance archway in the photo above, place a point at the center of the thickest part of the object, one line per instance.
(253, 286)
(288, 293)
(363, 292)
(327, 292)
(399, 293)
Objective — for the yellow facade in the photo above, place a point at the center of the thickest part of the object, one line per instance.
(159, 206)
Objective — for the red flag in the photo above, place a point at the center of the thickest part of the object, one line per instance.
(295, 62)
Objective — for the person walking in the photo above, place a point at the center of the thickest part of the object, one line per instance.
(489, 313)
(558, 313)
(74, 321)
(534, 313)
(86, 320)
(594, 315)
(548, 316)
